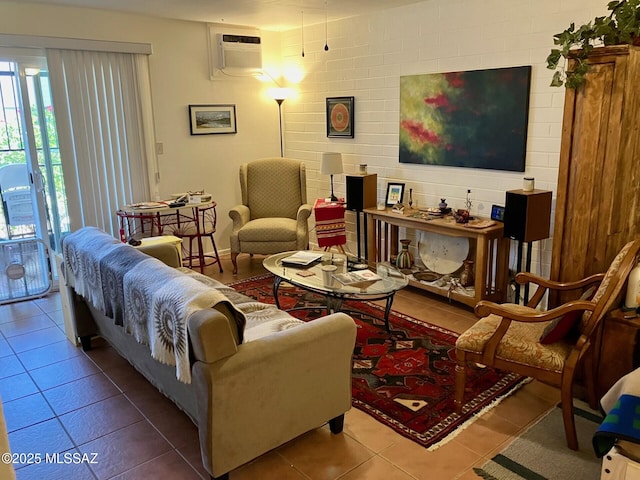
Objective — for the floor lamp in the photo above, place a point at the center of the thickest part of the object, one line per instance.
(331, 165)
(280, 95)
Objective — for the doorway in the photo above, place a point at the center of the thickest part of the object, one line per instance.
(34, 217)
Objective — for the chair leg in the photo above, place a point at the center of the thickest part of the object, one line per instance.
(190, 252)
(461, 380)
(566, 398)
(215, 250)
(591, 378)
(184, 249)
(234, 257)
(339, 247)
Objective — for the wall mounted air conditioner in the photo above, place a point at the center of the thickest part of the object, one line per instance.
(239, 52)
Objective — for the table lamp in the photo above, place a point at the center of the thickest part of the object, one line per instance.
(331, 165)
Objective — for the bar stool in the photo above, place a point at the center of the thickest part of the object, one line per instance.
(203, 225)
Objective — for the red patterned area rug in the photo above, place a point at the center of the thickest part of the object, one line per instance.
(405, 379)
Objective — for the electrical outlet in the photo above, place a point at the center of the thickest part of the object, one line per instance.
(159, 148)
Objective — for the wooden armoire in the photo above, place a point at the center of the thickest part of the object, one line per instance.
(598, 194)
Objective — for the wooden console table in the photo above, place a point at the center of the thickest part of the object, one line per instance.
(489, 250)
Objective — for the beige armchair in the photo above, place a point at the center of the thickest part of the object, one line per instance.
(274, 211)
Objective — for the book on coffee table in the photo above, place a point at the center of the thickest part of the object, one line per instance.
(301, 259)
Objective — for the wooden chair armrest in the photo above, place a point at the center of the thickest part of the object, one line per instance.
(543, 285)
(526, 277)
(484, 308)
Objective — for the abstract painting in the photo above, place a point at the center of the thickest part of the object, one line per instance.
(472, 119)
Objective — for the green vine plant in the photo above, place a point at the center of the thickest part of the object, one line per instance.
(621, 26)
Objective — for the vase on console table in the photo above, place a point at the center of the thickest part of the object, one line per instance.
(404, 259)
(467, 278)
(461, 216)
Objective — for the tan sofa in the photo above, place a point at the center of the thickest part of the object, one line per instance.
(287, 377)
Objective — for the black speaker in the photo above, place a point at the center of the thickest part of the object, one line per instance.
(362, 191)
(527, 215)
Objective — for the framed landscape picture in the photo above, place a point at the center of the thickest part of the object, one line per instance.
(472, 119)
(340, 117)
(211, 119)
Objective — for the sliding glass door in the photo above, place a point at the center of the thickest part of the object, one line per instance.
(34, 215)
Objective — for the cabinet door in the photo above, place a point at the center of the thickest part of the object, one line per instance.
(619, 350)
(595, 179)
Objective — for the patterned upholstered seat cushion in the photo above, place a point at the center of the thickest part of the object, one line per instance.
(520, 343)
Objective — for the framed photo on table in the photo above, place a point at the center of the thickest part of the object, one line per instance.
(395, 192)
(340, 117)
(211, 119)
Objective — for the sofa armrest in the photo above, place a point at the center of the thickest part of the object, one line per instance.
(211, 335)
(272, 390)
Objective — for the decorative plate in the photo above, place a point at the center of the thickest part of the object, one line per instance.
(442, 254)
(426, 276)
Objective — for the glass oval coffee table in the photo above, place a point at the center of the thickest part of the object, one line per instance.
(310, 278)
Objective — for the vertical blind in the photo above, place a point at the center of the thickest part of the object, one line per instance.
(102, 103)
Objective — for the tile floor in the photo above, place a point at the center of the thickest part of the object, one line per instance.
(57, 398)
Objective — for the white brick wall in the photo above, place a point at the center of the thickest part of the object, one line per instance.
(368, 55)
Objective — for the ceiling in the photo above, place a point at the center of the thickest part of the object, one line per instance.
(276, 15)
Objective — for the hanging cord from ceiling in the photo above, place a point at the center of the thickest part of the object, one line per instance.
(302, 30)
(326, 22)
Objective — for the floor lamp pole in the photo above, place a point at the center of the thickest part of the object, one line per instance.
(280, 100)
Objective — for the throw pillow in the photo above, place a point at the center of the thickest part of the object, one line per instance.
(560, 327)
